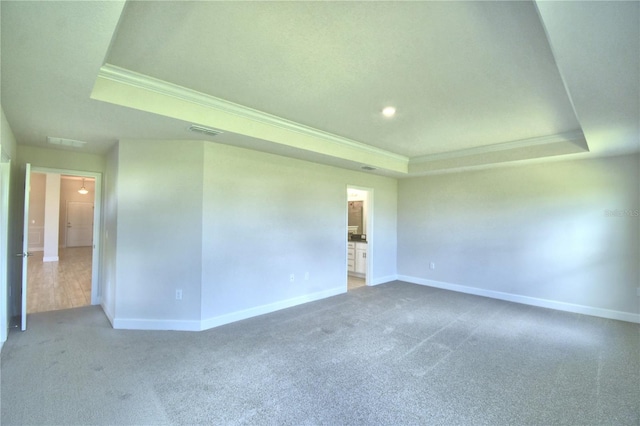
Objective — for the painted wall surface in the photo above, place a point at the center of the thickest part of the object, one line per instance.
(16, 205)
(159, 231)
(9, 235)
(266, 217)
(60, 159)
(51, 218)
(108, 281)
(36, 211)
(7, 139)
(563, 231)
(227, 226)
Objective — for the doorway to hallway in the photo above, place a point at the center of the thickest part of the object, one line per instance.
(60, 275)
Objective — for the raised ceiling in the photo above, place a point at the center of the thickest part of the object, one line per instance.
(474, 83)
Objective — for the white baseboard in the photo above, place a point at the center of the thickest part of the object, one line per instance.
(50, 259)
(155, 324)
(271, 307)
(108, 313)
(527, 300)
(383, 280)
(195, 325)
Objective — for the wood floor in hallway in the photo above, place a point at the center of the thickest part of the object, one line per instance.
(355, 282)
(59, 285)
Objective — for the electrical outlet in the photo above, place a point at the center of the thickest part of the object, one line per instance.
(292, 277)
(432, 265)
(178, 294)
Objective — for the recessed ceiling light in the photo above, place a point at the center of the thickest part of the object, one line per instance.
(389, 111)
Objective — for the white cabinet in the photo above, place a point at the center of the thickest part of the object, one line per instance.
(357, 258)
(361, 258)
(351, 257)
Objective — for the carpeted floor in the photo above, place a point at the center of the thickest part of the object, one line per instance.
(391, 354)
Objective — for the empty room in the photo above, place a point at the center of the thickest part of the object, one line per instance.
(320, 213)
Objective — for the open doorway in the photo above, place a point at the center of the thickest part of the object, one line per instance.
(359, 236)
(60, 235)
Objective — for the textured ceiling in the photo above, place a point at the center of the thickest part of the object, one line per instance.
(474, 83)
(461, 75)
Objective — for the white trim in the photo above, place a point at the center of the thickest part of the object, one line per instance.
(576, 135)
(108, 313)
(527, 300)
(384, 280)
(268, 308)
(195, 325)
(131, 78)
(25, 247)
(50, 259)
(150, 324)
(5, 182)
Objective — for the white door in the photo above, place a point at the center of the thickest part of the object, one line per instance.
(25, 246)
(79, 224)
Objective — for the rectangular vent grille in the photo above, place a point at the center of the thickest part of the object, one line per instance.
(205, 130)
(65, 142)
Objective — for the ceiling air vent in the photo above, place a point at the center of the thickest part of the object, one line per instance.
(205, 130)
(65, 142)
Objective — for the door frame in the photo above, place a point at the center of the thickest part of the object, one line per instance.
(5, 187)
(25, 247)
(368, 231)
(96, 264)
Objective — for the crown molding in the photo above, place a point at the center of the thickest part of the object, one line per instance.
(132, 78)
(571, 137)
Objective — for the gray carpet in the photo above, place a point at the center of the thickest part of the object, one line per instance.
(392, 354)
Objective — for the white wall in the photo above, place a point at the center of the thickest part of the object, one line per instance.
(227, 226)
(266, 217)
(159, 233)
(51, 218)
(540, 232)
(60, 159)
(7, 236)
(7, 139)
(110, 241)
(37, 196)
